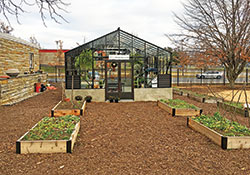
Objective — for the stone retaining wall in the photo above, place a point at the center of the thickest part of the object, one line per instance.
(15, 53)
(20, 88)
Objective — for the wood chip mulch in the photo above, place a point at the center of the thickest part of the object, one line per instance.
(117, 138)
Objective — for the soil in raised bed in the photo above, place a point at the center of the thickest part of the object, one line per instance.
(222, 125)
(53, 128)
(70, 105)
(178, 104)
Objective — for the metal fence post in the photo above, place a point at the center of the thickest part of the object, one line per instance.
(171, 75)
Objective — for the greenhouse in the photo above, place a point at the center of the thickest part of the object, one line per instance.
(120, 65)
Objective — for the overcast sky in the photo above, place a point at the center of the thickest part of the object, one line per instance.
(89, 19)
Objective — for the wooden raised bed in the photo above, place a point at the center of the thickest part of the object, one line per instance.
(225, 142)
(185, 93)
(232, 108)
(177, 91)
(47, 146)
(181, 92)
(202, 99)
(61, 112)
(179, 111)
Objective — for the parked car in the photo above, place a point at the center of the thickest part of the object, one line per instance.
(210, 74)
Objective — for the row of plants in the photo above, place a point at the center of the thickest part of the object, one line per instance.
(177, 107)
(231, 106)
(226, 133)
(235, 104)
(53, 128)
(177, 103)
(222, 125)
(194, 94)
(201, 95)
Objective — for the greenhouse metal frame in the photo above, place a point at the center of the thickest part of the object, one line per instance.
(119, 62)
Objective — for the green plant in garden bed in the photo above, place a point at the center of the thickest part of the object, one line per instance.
(177, 89)
(184, 90)
(177, 103)
(53, 128)
(235, 104)
(202, 95)
(223, 125)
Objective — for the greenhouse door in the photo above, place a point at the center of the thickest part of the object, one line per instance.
(119, 79)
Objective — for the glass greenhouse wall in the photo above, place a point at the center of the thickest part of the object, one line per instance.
(118, 62)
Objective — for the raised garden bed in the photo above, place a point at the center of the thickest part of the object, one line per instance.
(223, 132)
(50, 135)
(67, 108)
(203, 98)
(177, 91)
(178, 107)
(234, 107)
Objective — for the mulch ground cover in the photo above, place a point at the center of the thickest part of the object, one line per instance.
(118, 138)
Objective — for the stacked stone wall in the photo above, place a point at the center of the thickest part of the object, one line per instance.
(15, 54)
(20, 88)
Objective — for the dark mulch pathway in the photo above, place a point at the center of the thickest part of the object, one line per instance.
(118, 138)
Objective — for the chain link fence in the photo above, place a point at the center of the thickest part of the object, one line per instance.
(208, 76)
(55, 73)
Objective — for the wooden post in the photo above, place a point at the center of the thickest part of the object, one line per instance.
(72, 87)
(247, 76)
(201, 76)
(56, 73)
(177, 76)
(224, 77)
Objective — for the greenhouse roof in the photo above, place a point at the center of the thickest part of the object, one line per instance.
(122, 42)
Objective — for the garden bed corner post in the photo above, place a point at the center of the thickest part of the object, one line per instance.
(68, 146)
(18, 147)
(224, 142)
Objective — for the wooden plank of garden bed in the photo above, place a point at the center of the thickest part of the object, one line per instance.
(199, 99)
(226, 142)
(165, 107)
(62, 112)
(238, 142)
(178, 92)
(47, 146)
(74, 135)
(214, 136)
(184, 93)
(187, 112)
(83, 108)
(233, 109)
(180, 111)
(57, 105)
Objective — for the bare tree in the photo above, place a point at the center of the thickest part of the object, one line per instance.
(33, 40)
(51, 8)
(219, 29)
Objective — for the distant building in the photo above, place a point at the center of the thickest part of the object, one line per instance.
(52, 57)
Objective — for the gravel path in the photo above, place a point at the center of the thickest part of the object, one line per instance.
(117, 138)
